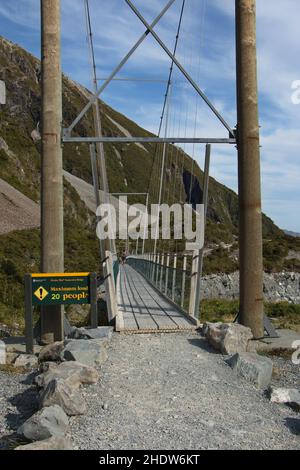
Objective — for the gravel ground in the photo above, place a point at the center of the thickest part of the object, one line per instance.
(170, 392)
(166, 392)
(18, 401)
(285, 373)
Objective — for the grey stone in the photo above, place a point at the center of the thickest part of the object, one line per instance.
(92, 333)
(228, 338)
(48, 422)
(11, 357)
(2, 353)
(97, 333)
(90, 353)
(28, 361)
(285, 395)
(53, 443)
(58, 392)
(46, 366)
(51, 352)
(73, 373)
(253, 367)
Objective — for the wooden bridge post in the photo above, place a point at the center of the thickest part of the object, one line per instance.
(52, 228)
(167, 273)
(250, 230)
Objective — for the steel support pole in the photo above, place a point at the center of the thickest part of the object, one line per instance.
(162, 171)
(183, 280)
(161, 271)
(174, 276)
(250, 230)
(167, 274)
(96, 191)
(145, 224)
(52, 231)
(101, 163)
(201, 251)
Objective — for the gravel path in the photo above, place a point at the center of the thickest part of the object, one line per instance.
(169, 392)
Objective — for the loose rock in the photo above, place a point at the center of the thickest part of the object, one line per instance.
(60, 393)
(92, 333)
(253, 367)
(51, 352)
(53, 443)
(48, 422)
(11, 357)
(229, 338)
(73, 373)
(286, 395)
(28, 361)
(90, 353)
(45, 366)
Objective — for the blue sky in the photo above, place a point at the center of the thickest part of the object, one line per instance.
(207, 51)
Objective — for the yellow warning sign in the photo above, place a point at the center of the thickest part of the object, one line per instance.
(41, 293)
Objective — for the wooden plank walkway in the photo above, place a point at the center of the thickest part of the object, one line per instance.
(142, 309)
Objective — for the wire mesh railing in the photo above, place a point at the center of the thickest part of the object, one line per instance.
(172, 274)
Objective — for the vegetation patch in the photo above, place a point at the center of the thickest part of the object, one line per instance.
(282, 314)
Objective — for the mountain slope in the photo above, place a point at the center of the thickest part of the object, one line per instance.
(130, 166)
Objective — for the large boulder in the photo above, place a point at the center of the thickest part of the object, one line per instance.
(253, 367)
(53, 443)
(90, 353)
(290, 396)
(28, 361)
(228, 338)
(58, 392)
(2, 353)
(73, 373)
(51, 352)
(48, 422)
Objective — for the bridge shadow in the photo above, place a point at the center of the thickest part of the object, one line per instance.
(293, 424)
(202, 343)
(26, 403)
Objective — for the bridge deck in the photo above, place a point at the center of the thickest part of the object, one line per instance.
(142, 309)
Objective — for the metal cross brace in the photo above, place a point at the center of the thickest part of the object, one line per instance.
(181, 68)
(67, 132)
(149, 140)
(150, 29)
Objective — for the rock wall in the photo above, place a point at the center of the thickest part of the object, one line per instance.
(279, 287)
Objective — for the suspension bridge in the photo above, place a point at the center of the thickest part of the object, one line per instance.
(159, 287)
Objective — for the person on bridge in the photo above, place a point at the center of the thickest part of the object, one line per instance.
(123, 257)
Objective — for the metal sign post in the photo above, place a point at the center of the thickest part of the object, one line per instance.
(58, 289)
